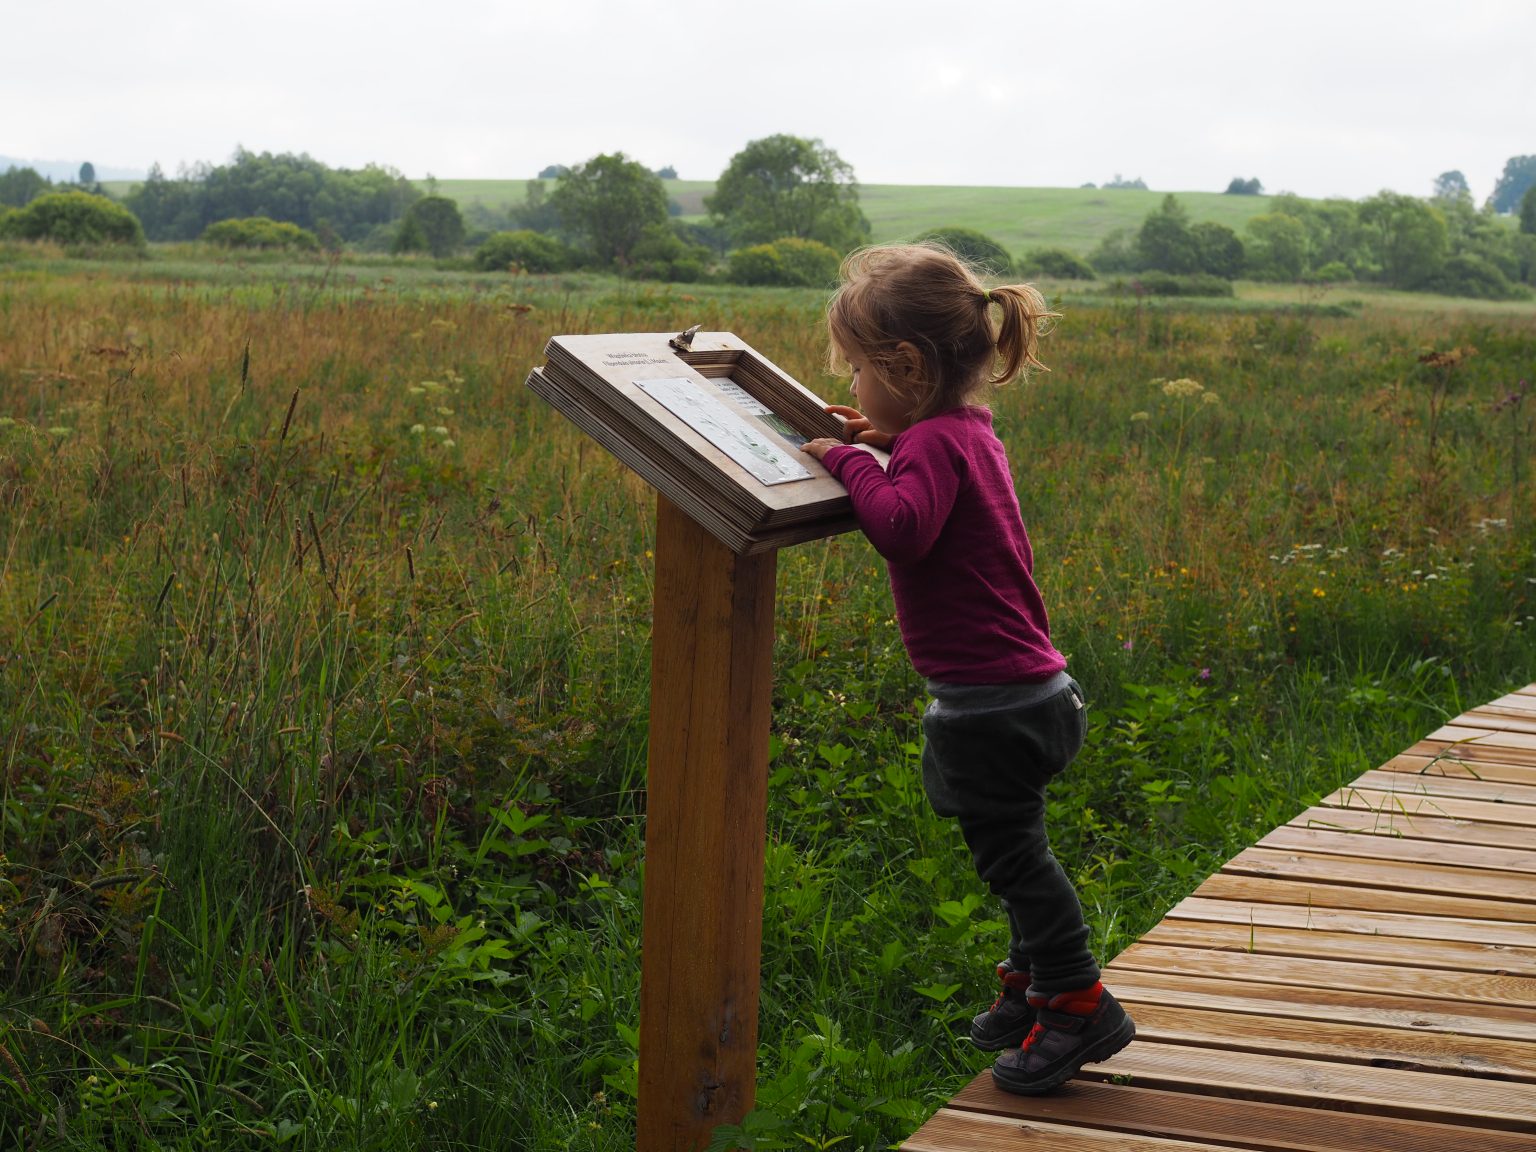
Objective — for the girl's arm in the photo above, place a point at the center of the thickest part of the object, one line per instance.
(901, 511)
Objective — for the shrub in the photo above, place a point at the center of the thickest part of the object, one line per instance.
(789, 262)
(1473, 276)
(1333, 272)
(260, 232)
(663, 253)
(1057, 263)
(523, 249)
(432, 224)
(75, 218)
(1116, 252)
(1195, 284)
(974, 247)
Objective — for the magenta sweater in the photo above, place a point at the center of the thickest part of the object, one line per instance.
(946, 519)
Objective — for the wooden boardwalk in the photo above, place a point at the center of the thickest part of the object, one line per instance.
(1362, 979)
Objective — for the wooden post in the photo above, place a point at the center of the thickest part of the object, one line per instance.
(706, 831)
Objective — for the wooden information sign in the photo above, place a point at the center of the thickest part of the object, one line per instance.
(716, 429)
(710, 424)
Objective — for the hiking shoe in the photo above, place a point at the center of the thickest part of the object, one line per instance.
(1008, 1021)
(1071, 1029)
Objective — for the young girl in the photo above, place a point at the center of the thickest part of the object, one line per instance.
(915, 325)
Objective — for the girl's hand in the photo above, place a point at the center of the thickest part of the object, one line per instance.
(858, 429)
(820, 446)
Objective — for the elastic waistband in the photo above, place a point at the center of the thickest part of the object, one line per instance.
(957, 699)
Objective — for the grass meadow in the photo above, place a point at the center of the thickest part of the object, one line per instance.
(1017, 218)
(324, 667)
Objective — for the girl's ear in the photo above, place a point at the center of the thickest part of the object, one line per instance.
(910, 361)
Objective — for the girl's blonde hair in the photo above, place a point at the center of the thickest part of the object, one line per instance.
(926, 296)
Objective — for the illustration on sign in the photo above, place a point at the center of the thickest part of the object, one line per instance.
(726, 430)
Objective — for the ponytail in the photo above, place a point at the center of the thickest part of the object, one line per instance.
(1025, 318)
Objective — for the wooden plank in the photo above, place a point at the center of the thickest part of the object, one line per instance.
(1336, 1040)
(1452, 854)
(1366, 923)
(706, 834)
(1524, 702)
(950, 1130)
(1476, 735)
(1512, 991)
(1316, 943)
(1218, 1122)
(1471, 1101)
(1418, 827)
(1499, 720)
(1472, 754)
(1402, 803)
(1377, 1009)
(1431, 758)
(1435, 784)
(1390, 874)
(1321, 894)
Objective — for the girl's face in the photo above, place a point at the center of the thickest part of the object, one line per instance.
(887, 411)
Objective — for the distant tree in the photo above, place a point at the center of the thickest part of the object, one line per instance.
(1452, 186)
(432, 224)
(1218, 251)
(664, 252)
(608, 202)
(1241, 187)
(1407, 237)
(1519, 175)
(75, 217)
(1165, 241)
(20, 186)
(787, 186)
(1116, 252)
(666, 173)
(975, 247)
(1120, 182)
(1277, 248)
(88, 174)
(168, 209)
(536, 213)
(1057, 263)
(553, 172)
(1528, 211)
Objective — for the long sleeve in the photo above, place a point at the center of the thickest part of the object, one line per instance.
(902, 510)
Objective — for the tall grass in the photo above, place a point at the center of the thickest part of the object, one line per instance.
(324, 660)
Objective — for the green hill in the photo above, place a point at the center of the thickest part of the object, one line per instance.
(1017, 218)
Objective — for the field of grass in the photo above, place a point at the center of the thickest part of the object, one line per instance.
(324, 663)
(1018, 218)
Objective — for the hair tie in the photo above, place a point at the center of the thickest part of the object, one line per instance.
(986, 295)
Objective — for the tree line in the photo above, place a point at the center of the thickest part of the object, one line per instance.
(1442, 244)
(783, 211)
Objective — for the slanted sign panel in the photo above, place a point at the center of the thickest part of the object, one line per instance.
(715, 427)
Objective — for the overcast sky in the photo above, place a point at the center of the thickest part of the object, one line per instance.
(1343, 98)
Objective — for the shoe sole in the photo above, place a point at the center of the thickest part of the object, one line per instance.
(1102, 1050)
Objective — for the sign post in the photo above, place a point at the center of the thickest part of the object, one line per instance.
(715, 429)
(706, 830)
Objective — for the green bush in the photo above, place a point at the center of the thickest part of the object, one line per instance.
(74, 218)
(260, 232)
(1194, 284)
(976, 248)
(1333, 272)
(523, 249)
(1473, 276)
(789, 263)
(1057, 263)
(663, 253)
